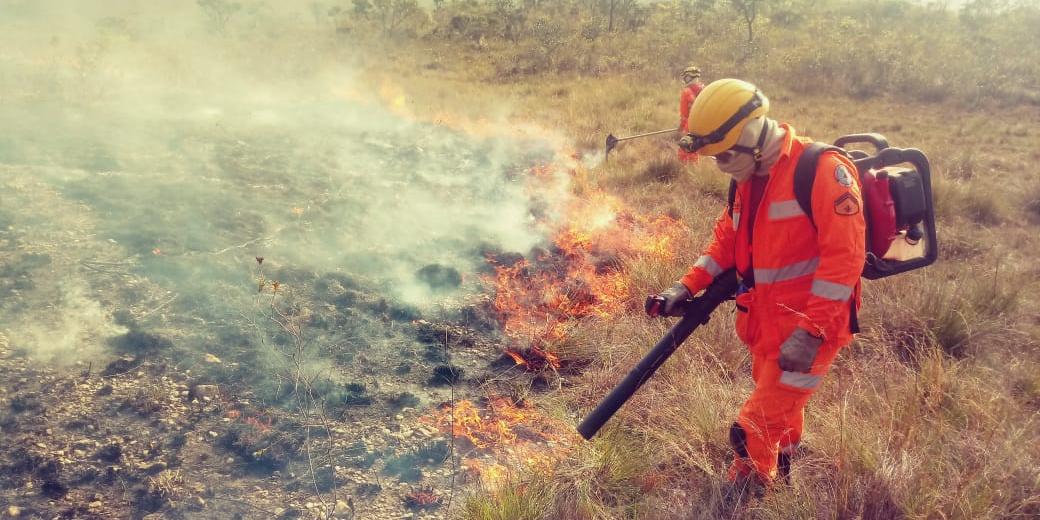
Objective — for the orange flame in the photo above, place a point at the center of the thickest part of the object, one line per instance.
(539, 299)
(515, 435)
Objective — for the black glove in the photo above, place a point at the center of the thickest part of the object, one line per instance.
(798, 351)
(686, 143)
(666, 303)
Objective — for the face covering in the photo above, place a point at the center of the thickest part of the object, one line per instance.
(742, 165)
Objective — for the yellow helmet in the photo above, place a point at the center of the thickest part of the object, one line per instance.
(719, 114)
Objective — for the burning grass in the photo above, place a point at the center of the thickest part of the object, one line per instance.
(931, 412)
(539, 299)
(500, 436)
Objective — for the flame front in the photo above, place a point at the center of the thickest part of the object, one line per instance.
(504, 435)
(538, 299)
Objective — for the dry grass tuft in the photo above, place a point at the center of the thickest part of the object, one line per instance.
(984, 204)
(959, 312)
(932, 412)
(1032, 202)
(168, 485)
(665, 168)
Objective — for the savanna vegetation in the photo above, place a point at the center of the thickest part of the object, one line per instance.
(156, 151)
(932, 412)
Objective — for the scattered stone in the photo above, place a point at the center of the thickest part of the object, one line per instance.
(342, 507)
(204, 391)
(84, 444)
(14, 511)
(152, 467)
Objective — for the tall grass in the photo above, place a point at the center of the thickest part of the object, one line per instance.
(932, 412)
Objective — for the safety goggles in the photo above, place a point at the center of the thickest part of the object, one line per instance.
(700, 141)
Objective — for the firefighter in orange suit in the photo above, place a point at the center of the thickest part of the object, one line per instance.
(800, 277)
(692, 86)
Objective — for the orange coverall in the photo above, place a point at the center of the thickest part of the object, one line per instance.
(686, 98)
(803, 276)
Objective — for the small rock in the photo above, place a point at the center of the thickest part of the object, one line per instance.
(205, 391)
(213, 434)
(83, 444)
(342, 507)
(14, 511)
(156, 466)
(200, 502)
(94, 505)
(278, 511)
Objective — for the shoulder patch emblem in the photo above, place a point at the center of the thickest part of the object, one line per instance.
(842, 175)
(847, 204)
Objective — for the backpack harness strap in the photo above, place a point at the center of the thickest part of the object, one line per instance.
(804, 177)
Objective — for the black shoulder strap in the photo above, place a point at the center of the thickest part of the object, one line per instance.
(732, 197)
(805, 175)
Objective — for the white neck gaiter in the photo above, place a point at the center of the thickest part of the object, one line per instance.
(742, 166)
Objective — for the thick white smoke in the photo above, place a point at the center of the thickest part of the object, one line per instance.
(187, 149)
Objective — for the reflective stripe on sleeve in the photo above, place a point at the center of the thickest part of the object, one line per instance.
(736, 220)
(708, 264)
(787, 272)
(785, 209)
(831, 290)
(799, 380)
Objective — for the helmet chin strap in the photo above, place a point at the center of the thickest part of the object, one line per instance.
(755, 152)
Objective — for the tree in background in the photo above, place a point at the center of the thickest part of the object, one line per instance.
(393, 13)
(362, 8)
(986, 49)
(219, 12)
(749, 11)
